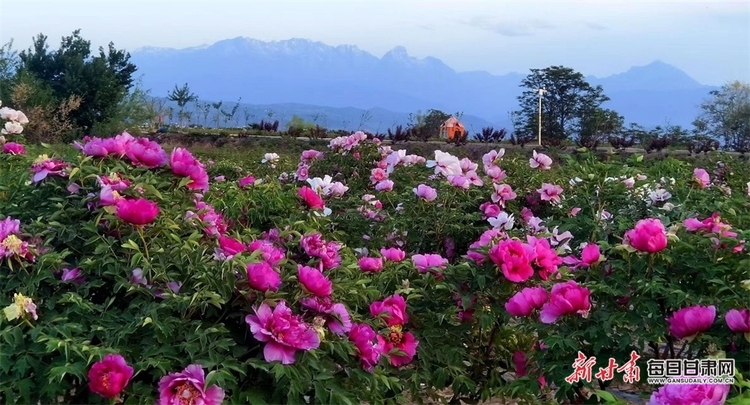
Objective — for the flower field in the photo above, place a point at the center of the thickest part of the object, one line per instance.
(136, 273)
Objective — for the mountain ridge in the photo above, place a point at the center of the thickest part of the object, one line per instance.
(303, 71)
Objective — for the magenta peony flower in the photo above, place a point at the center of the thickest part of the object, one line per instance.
(282, 332)
(589, 257)
(45, 166)
(688, 322)
(262, 277)
(393, 254)
(72, 275)
(368, 345)
(393, 310)
(137, 212)
(248, 180)
(188, 387)
(314, 281)
(371, 264)
(230, 247)
(526, 301)
(269, 252)
(565, 298)
(514, 259)
(13, 148)
(399, 345)
(738, 320)
(146, 153)
(649, 235)
(311, 198)
(335, 314)
(684, 394)
(108, 377)
(184, 164)
(546, 259)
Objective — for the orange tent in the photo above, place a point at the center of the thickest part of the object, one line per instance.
(451, 128)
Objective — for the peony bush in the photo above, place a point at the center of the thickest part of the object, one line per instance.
(137, 273)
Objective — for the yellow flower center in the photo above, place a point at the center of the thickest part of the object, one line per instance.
(41, 158)
(396, 334)
(12, 243)
(187, 393)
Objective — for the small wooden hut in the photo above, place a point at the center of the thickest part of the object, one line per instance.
(452, 128)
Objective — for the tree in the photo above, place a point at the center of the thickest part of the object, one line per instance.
(565, 103)
(101, 81)
(182, 96)
(726, 115)
(432, 122)
(9, 64)
(598, 124)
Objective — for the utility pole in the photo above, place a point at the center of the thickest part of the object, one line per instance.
(541, 91)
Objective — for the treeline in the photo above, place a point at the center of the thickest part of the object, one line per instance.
(72, 91)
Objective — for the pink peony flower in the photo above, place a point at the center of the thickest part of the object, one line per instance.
(13, 148)
(109, 376)
(684, 394)
(188, 387)
(72, 275)
(248, 180)
(184, 164)
(269, 252)
(393, 254)
(546, 259)
(143, 152)
(589, 257)
(550, 192)
(368, 346)
(393, 310)
(311, 198)
(400, 346)
(701, 178)
(45, 166)
(688, 322)
(335, 314)
(385, 185)
(565, 298)
(425, 192)
(526, 301)
(262, 277)
(514, 259)
(314, 281)
(283, 333)
(503, 193)
(738, 320)
(541, 161)
(108, 197)
(649, 235)
(574, 211)
(229, 247)
(137, 212)
(370, 264)
(428, 262)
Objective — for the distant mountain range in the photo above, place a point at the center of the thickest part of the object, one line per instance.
(340, 83)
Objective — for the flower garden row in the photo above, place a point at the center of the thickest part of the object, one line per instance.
(361, 273)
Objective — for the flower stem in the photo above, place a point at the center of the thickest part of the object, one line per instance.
(145, 246)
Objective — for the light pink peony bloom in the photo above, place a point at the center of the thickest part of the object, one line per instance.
(377, 175)
(503, 193)
(649, 235)
(459, 181)
(428, 262)
(314, 281)
(701, 178)
(138, 211)
(493, 157)
(44, 166)
(108, 197)
(684, 394)
(524, 302)
(550, 192)
(574, 211)
(393, 254)
(425, 192)
(565, 298)
(283, 332)
(188, 387)
(385, 185)
(687, 323)
(541, 161)
(629, 182)
(109, 376)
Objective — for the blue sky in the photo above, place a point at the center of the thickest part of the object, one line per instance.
(708, 40)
